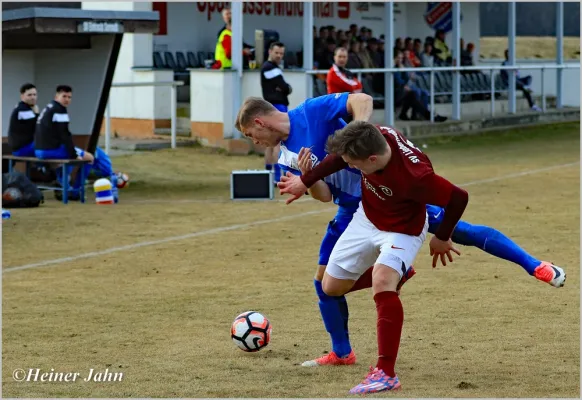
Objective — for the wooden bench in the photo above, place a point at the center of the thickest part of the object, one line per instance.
(63, 164)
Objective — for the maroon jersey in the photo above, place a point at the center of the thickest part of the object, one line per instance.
(395, 198)
(390, 196)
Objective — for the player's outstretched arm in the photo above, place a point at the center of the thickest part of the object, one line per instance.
(360, 106)
(434, 189)
(319, 191)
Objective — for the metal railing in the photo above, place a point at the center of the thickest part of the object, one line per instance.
(173, 108)
(457, 70)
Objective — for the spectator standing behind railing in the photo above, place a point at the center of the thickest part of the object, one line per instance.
(340, 79)
(441, 51)
(521, 83)
(275, 91)
(23, 122)
(223, 49)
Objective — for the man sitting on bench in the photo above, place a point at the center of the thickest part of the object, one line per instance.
(23, 122)
(52, 138)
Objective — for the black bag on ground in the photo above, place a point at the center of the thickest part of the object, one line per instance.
(18, 191)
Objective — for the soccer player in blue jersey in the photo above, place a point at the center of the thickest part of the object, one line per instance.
(302, 133)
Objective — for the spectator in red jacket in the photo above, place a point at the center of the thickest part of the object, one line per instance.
(340, 79)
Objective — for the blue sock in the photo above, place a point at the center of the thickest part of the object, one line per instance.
(334, 311)
(277, 172)
(495, 243)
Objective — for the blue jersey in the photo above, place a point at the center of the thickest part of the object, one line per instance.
(312, 122)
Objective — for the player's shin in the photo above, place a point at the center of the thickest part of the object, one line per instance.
(335, 315)
(389, 329)
(495, 243)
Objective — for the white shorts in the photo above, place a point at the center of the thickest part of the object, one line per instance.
(363, 245)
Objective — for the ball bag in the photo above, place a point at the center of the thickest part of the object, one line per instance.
(18, 191)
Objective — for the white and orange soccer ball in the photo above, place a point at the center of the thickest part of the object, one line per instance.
(251, 331)
(122, 180)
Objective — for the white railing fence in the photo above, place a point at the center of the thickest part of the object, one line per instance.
(456, 92)
(173, 108)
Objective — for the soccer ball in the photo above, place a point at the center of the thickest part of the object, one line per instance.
(251, 331)
(122, 180)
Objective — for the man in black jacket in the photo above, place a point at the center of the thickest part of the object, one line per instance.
(276, 92)
(23, 122)
(52, 137)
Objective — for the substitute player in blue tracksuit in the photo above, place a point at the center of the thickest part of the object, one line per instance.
(307, 127)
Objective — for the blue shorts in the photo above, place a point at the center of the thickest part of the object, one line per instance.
(26, 151)
(280, 107)
(335, 228)
(59, 153)
(435, 217)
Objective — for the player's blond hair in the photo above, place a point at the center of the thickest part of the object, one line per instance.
(252, 108)
(358, 140)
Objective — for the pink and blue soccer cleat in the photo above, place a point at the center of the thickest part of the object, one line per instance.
(376, 381)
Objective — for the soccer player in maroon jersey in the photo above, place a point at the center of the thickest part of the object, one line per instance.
(388, 229)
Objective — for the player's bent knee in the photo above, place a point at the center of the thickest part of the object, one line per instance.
(385, 278)
(338, 281)
(335, 289)
(334, 286)
(320, 272)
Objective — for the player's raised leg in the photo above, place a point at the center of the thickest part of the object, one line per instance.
(499, 245)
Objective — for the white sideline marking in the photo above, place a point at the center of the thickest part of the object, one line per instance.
(518, 174)
(247, 225)
(160, 241)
